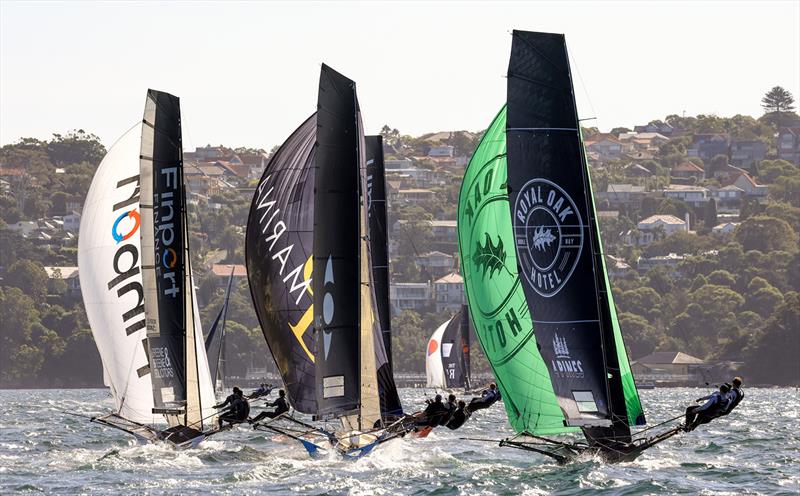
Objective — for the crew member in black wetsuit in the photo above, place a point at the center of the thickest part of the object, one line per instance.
(281, 407)
(488, 398)
(263, 390)
(735, 396)
(238, 410)
(451, 407)
(459, 416)
(433, 413)
(715, 403)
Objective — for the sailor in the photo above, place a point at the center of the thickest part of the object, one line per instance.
(715, 403)
(488, 398)
(433, 413)
(459, 416)
(735, 396)
(281, 407)
(230, 399)
(238, 410)
(263, 390)
(451, 407)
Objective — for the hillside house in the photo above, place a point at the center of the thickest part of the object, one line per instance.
(669, 366)
(449, 292)
(653, 227)
(724, 228)
(670, 261)
(623, 195)
(436, 264)
(708, 146)
(409, 296)
(789, 144)
(747, 184)
(696, 196)
(67, 274)
(747, 153)
(686, 170)
(606, 145)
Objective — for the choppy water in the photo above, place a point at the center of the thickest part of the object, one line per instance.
(755, 450)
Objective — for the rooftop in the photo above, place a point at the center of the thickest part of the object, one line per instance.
(451, 278)
(666, 219)
(224, 270)
(670, 357)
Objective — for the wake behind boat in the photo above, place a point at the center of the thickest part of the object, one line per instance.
(137, 285)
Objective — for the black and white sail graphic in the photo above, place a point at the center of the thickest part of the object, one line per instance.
(379, 254)
(336, 249)
(278, 253)
(552, 218)
(163, 239)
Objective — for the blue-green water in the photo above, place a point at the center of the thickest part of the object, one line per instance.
(755, 450)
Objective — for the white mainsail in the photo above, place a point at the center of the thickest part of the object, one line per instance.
(109, 259)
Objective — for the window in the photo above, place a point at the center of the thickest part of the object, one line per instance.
(585, 401)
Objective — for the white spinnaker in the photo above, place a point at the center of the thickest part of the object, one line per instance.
(433, 359)
(123, 354)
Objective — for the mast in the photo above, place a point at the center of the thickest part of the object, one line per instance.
(465, 347)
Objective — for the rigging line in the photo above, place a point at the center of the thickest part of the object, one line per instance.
(571, 54)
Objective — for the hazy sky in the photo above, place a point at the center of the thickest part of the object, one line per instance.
(247, 72)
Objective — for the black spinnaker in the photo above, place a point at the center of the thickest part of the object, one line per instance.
(278, 253)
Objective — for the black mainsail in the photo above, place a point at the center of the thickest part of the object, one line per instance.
(215, 339)
(557, 239)
(379, 256)
(278, 253)
(336, 248)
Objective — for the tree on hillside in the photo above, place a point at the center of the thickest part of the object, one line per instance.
(30, 278)
(778, 100)
(774, 350)
(766, 234)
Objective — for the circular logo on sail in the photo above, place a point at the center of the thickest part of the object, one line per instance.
(549, 236)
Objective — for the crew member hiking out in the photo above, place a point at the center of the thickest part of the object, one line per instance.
(433, 413)
(459, 416)
(735, 396)
(488, 398)
(451, 407)
(237, 411)
(281, 407)
(263, 390)
(715, 403)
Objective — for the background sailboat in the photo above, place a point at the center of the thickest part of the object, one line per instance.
(215, 341)
(447, 354)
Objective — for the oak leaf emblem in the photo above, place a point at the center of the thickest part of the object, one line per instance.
(489, 257)
(542, 238)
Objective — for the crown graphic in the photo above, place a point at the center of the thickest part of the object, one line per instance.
(560, 346)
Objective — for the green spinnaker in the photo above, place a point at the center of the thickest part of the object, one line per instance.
(496, 299)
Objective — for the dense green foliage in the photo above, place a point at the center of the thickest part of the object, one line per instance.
(733, 297)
